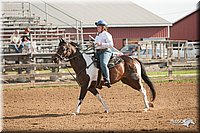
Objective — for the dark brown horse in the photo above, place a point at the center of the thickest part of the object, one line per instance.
(131, 72)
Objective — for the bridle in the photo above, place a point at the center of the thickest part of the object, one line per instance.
(70, 57)
(61, 55)
(66, 59)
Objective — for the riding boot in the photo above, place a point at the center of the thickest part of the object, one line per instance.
(107, 83)
(99, 82)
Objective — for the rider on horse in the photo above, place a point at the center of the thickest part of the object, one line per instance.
(104, 42)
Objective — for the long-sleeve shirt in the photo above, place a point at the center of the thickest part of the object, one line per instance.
(105, 38)
(28, 36)
(16, 39)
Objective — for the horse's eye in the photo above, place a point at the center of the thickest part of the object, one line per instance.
(60, 47)
(65, 49)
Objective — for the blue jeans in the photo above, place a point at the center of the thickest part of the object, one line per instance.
(18, 49)
(104, 57)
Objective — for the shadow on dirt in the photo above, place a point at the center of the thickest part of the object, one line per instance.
(35, 116)
(61, 115)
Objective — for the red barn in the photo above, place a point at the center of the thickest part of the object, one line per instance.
(126, 20)
(120, 34)
(186, 28)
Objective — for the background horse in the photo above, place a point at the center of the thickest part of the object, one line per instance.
(131, 72)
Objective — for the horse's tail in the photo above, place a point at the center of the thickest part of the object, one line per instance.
(147, 80)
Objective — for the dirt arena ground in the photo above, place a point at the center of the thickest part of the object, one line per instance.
(51, 108)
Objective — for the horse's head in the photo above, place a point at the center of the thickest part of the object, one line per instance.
(65, 50)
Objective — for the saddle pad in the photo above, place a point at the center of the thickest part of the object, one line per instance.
(112, 63)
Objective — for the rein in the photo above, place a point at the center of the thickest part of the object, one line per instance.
(68, 59)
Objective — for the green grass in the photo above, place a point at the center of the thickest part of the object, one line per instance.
(163, 75)
(187, 72)
(75, 86)
(176, 72)
(192, 80)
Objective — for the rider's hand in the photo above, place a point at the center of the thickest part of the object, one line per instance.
(98, 43)
(90, 44)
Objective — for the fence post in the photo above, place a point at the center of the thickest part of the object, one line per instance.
(33, 72)
(185, 52)
(169, 60)
(54, 70)
(170, 69)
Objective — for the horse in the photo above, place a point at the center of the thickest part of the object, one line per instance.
(130, 71)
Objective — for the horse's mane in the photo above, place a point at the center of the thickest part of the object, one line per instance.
(73, 44)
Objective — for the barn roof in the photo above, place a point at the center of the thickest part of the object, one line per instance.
(193, 12)
(117, 13)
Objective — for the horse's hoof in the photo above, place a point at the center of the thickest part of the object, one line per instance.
(99, 87)
(151, 105)
(106, 111)
(145, 110)
(74, 113)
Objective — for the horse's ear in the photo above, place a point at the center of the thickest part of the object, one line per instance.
(61, 42)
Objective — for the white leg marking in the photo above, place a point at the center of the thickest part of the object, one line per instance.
(92, 71)
(146, 102)
(142, 89)
(103, 103)
(78, 106)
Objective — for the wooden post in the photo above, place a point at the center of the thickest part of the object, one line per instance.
(147, 49)
(169, 63)
(161, 52)
(153, 47)
(154, 51)
(23, 10)
(54, 70)
(170, 69)
(77, 33)
(32, 78)
(33, 72)
(138, 50)
(3, 69)
(179, 48)
(185, 51)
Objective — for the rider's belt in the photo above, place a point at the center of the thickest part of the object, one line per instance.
(102, 50)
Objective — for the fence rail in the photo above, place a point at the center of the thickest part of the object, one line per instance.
(44, 60)
(57, 70)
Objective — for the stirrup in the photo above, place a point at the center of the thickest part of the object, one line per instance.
(106, 83)
(99, 86)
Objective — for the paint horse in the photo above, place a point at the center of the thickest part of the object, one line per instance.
(130, 71)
